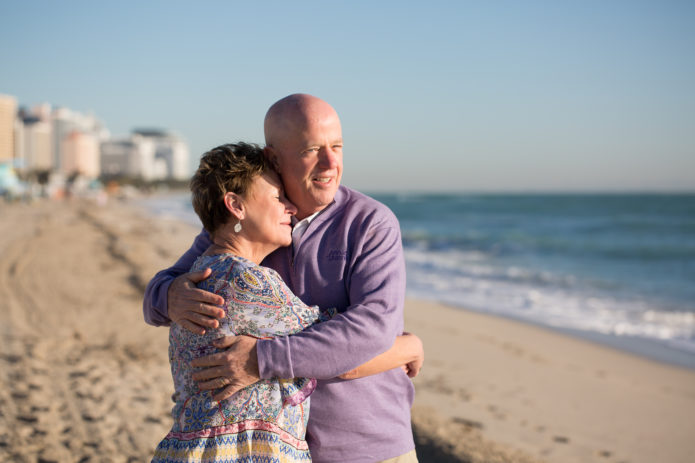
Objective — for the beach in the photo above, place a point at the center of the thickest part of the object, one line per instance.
(83, 378)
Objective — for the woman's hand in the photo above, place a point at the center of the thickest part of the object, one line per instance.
(412, 368)
(194, 309)
(407, 353)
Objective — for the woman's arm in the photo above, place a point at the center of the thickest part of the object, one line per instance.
(407, 352)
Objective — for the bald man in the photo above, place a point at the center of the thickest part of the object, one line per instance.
(346, 253)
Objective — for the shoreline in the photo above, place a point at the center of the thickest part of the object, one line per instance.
(653, 350)
(83, 376)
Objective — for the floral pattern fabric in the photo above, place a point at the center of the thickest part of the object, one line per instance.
(263, 422)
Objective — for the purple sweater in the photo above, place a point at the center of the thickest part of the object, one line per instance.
(351, 258)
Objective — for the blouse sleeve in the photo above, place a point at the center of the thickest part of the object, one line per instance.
(260, 304)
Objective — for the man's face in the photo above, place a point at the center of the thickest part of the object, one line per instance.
(310, 161)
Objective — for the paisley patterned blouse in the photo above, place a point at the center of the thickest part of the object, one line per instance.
(263, 422)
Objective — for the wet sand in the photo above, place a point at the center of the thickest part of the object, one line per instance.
(83, 378)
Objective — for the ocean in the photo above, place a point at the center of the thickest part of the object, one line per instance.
(616, 268)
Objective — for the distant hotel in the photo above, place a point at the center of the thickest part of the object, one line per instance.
(146, 154)
(43, 140)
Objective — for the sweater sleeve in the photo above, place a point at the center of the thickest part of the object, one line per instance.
(154, 305)
(367, 328)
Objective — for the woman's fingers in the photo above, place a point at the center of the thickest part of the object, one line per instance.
(192, 327)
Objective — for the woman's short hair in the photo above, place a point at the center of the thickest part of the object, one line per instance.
(226, 168)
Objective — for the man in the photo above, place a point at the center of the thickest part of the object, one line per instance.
(347, 254)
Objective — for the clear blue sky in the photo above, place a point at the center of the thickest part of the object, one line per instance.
(460, 95)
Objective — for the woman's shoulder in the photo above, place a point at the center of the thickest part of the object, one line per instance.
(256, 278)
(222, 265)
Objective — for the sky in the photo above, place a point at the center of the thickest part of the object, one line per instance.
(470, 96)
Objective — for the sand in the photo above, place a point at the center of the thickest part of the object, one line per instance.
(83, 378)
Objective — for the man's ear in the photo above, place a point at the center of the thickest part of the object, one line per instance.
(234, 205)
(272, 157)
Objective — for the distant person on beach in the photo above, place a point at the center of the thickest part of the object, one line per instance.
(235, 185)
(346, 253)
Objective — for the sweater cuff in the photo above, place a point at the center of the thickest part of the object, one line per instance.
(155, 304)
(274, 359)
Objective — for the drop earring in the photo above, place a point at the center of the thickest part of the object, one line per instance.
(237, 227)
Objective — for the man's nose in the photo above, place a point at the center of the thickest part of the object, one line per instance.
(329, 159)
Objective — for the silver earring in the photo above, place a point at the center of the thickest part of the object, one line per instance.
(237, 227)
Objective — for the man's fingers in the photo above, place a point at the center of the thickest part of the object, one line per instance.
(207, 373)
(208, 301)
(211, 360)
(202, 320)
(197, 277)
(214, 383)
(225, 341)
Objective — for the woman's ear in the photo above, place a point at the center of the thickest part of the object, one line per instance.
(234, 205)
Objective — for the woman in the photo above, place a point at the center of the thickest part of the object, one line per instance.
(241, 203)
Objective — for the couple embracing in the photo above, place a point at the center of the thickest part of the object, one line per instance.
(320, 321)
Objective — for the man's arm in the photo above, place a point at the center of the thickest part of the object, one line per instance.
(236, 367)
(367, 328)
(172, 295)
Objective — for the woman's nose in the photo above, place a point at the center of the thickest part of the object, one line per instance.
(290, 208)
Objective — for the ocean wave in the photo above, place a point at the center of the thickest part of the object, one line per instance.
(559, 301)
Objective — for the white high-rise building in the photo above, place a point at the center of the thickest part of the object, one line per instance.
(132, 157)
(170, 149)
(146, 154)
(37, 141)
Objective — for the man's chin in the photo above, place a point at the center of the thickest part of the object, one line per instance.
(324, 199)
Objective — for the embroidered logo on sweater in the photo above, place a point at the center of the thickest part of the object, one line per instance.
(337, 254)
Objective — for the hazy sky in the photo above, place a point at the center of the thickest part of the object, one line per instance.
(460, 95)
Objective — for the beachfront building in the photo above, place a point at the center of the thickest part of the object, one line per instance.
(66, 122)
(80, 154)
(170, 149)
(51, 145)
(146, 155)
(128, 157)
(36, 143)
(8, 114)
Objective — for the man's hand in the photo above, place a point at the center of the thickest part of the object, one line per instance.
(233, 369)
(193, 308)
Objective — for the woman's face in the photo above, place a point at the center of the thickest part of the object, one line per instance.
(268, 211)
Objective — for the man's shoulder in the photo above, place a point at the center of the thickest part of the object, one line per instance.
(361, 205)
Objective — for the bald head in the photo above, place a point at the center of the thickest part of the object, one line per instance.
(304, 141)
(293, 114)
